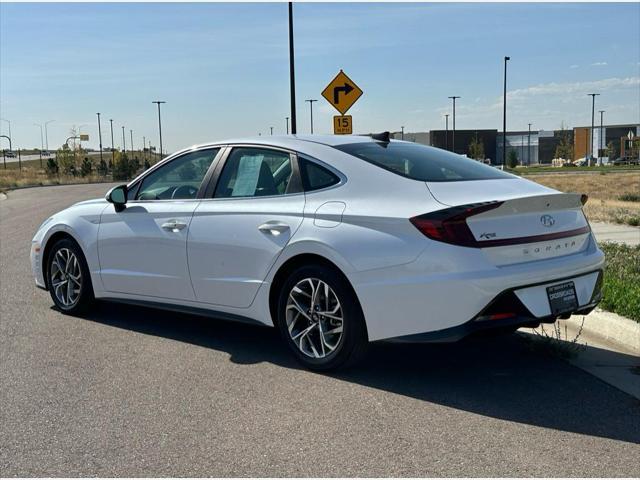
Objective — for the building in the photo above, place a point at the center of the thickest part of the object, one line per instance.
(417, 137)
(463, 138)
(616, 135)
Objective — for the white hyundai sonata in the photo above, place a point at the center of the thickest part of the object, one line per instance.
(335, 240)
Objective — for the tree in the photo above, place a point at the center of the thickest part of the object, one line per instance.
(565, 147)
(86, 167)
(476, 148)
(612, 151)
(512, 159)
(52, 166)
(102, 168)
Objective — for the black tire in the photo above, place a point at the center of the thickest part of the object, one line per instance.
(353, 343)
(85, 299)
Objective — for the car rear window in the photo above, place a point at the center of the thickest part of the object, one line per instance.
(419, 162)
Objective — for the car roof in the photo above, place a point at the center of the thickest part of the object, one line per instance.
(294, 141)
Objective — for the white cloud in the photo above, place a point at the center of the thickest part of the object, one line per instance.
(574, 66)
(574, 88)
(599, 64)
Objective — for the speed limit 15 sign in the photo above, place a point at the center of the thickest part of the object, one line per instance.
(342, 125)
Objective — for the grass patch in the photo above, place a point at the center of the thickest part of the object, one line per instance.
(630, 197)
(621, 289)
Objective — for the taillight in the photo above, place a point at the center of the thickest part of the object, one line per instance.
(450, 225)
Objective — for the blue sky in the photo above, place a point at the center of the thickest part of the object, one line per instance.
(223, 68)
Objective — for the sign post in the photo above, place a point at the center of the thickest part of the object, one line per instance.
(342, 93)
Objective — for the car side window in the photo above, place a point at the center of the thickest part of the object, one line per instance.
(255, 172)
(179, 179)
(315, 177)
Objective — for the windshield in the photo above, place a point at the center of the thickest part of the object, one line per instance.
(420, 162)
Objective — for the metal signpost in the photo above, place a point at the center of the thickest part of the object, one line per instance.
(342, 93)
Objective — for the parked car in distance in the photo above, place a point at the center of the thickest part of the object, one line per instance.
(337, 241)
(9, 153)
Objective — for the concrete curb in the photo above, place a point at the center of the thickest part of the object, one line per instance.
(611, 328)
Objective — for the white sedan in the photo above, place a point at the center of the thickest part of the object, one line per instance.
(337, 241)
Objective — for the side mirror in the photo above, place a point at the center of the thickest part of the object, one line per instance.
(117, 196)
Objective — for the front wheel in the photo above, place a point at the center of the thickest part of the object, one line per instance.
(68, 277)
(320, 319)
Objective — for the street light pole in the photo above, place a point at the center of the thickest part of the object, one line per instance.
(5, 120)
(99, 136)
(287, 119)
(131, 133)
(124, 145)
(271, 128)
(402, 132)
(453, 133)
(529, 147)
(158, 102)
(46, 133)
(593, 108)
(41, 142)
(504, 115)
(446, 134)
(601, 137)
(292, 76)
(311, 106)
(112, 145)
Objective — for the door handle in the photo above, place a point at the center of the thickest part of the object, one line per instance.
(174, 225)
(273, 228)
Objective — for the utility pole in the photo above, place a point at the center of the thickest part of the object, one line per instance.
(158, 102)
(112, 145)
(311, 106)
(504, 115)
(446, 135)
(287, 119)
(453, 133)
(593, 108)
(292, 76)
(529, 147)
(100, 136)
(601, 137)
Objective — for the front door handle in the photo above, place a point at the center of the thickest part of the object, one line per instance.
(174, 225)
(273, 228)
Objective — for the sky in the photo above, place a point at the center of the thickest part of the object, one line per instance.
(223, 68)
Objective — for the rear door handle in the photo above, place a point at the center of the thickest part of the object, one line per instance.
(174, 225)
(273, 228)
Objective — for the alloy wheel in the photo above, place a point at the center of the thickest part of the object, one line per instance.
(66, 277)
(314, 318)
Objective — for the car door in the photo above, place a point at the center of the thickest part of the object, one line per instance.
(143, 248)
(237, 235)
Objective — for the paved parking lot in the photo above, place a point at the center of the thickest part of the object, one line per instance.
(138, 392)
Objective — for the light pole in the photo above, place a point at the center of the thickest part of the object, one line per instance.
(159, 102)
(292, 75)
(453, 132)
(41, 142)
(124, 145)
(529, 147)
(311, 107)
(5, 120)
(402, 132)
(601, 136)
(144, 147)
(46, 133)
(504, 115)
(271, 128)
(287, 119)
(593, 111)
(4, 159)
(131, 133)
(446, 134)
(99, 136)
(113, 149)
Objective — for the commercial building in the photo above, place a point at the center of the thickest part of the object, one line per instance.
(616, 135)
(463, 138)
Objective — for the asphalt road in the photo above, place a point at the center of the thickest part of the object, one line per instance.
(130, 391)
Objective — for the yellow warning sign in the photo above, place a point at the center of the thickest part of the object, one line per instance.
(342, 92)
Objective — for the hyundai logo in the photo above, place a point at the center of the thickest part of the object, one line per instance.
(547, 220)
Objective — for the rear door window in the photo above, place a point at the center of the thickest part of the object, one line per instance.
(420, 162)
(316, 177)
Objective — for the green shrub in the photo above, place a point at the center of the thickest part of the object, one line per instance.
(621, 289)
(629, 197)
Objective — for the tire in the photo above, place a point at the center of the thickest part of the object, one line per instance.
(325, 346)
(63, 271)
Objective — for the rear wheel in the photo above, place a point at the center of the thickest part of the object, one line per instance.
(68, 277)
(320, 319)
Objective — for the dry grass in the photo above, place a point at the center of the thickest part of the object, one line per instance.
(13, 178)
(604, 191)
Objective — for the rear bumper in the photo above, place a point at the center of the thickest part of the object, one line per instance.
(523, 317)
(447, 287)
